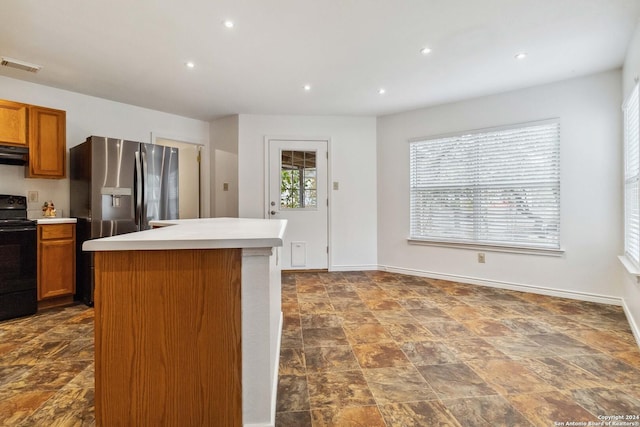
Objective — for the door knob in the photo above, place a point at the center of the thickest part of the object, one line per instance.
(273, 212)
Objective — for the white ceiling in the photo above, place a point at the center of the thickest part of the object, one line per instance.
(134, 51)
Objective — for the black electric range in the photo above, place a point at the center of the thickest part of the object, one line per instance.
(18, 259)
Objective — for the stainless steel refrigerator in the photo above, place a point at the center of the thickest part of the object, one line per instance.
(117, 187)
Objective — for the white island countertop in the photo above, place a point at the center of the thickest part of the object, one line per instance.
(204, 233)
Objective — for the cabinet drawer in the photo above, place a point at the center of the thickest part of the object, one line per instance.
(56, 231)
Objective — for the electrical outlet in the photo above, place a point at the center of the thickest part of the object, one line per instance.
(32, 196)
(481, 259)
(336, 185)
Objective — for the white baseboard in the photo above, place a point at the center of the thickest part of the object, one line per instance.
(360, 267)
(632, 322)
(582, 296)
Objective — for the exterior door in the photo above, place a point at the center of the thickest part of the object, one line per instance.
(298, 193)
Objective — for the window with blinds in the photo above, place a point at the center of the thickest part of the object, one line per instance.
(497, 187)
(631, 112)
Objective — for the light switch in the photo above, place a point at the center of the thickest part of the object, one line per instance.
(225, 186)
(336, 185)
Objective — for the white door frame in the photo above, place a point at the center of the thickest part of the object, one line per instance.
(265, 201)
(205, 166)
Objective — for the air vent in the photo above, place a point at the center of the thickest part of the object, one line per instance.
(20, 65)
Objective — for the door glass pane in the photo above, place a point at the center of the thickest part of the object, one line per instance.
(298, 186)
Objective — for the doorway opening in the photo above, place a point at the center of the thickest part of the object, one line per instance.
(189, 177)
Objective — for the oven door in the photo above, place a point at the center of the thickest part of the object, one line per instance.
(18, 272)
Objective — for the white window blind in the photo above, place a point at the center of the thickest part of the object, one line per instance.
(492, 187)
(631, 111)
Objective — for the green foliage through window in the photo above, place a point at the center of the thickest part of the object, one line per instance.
(298, 188)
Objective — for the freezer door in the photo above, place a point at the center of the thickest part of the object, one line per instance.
(160, 178)
(112, 186)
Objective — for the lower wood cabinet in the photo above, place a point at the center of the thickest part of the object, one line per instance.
(56, 264)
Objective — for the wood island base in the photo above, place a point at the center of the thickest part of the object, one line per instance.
(168, 338)
(188, 324)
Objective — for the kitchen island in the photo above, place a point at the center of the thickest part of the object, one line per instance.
(188, 323)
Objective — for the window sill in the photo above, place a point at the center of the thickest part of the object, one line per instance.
(630, 267)
(489, 248)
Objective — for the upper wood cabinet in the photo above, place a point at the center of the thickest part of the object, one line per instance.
(13, 123)
(43, 130)
(47, 143)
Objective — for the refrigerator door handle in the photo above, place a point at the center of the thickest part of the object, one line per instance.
(138, 189)
(144, 224)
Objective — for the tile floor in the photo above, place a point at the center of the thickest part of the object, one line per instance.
(380, 349)
(377, 349)
(46, 369)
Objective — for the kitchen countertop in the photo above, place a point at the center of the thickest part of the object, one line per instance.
(204, 233)
(54, 220)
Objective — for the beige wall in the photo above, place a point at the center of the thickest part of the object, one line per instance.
(87, 115)
(224, 158)
(590, 190)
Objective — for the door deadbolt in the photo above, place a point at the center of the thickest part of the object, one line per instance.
(273, 212)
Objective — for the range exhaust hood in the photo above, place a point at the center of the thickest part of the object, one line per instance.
(10, 155)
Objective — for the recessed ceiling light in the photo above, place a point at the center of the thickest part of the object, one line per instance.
(520, 55)
(190, 64)
(227, 23)
(425, 50)
(382, 91)
(307, 88)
